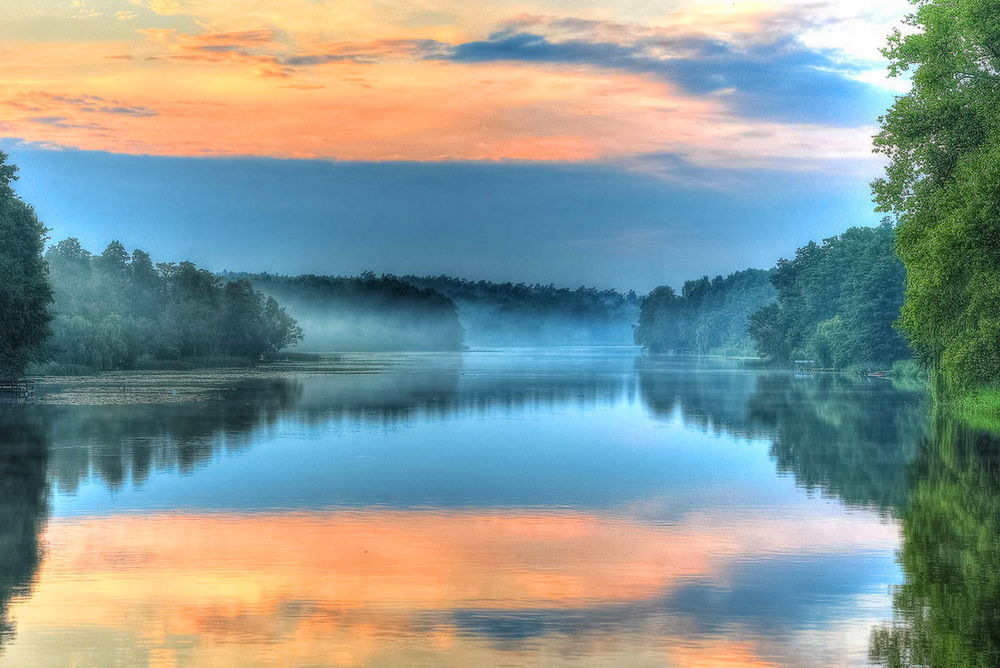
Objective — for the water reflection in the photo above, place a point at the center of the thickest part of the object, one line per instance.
(948, 609)
(486, 382)
(23, 507)
(128, 443)
(575, 507)
(382, 586)
(850, 439)
(710, 395)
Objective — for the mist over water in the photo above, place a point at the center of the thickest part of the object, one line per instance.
(490, 326)
(380, 313)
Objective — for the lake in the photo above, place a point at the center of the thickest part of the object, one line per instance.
(521, 507)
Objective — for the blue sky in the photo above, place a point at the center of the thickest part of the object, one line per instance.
(573, 224)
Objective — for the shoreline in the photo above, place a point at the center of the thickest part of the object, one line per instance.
(135, 387)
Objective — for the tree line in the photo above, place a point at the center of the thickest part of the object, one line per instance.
(709, 316)
(70, 309)
(120, 310)
(836, 303)
(833, 304)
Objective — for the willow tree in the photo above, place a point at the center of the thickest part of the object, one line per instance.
(25, 293)
(943, 184)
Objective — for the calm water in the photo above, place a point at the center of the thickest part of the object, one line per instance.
(531, 507)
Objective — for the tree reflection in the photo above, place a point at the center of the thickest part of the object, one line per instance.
(947, 612)
(23, 506)
(870, 444)
(129, 442)
(842, 437)
(711, 397)
(845, 438)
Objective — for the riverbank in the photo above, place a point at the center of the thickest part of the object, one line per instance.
(979, 409)
(148, 386)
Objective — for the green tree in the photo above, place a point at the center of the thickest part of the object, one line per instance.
(25, 293)
(710, 316)
(660, 323)
(119, 311)
(837, 302)
(242, 324)
(943, 184)
(278, 329)
(194, 301)
(768, 331)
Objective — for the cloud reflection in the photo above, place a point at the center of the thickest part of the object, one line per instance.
(385, 587)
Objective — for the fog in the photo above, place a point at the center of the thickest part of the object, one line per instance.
(372, 313)
(487, 325)
(364, 313)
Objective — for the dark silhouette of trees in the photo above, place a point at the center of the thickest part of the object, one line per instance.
(512, 314)
(366, 312)
(24, 457)
(25, 293)
(254, 325)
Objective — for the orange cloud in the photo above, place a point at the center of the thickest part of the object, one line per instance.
(428, 111)
(351, 80)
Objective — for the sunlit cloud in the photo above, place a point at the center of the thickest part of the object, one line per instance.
(795, 85)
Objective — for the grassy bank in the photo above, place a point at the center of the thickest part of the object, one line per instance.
(979, 409)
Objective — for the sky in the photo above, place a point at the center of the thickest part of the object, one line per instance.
(620, 144)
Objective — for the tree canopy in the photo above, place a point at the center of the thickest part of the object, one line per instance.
(118, 311)
(837, 302)
(709, 316)
(25, 293)
(943, 184)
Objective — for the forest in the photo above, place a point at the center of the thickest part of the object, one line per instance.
(119, 310)
(709, 316)
(837, 302)
(833, 305)
(520, 314)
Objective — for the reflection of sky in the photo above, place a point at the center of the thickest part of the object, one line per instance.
(594, 457)
(505, 519)
(358, 587)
